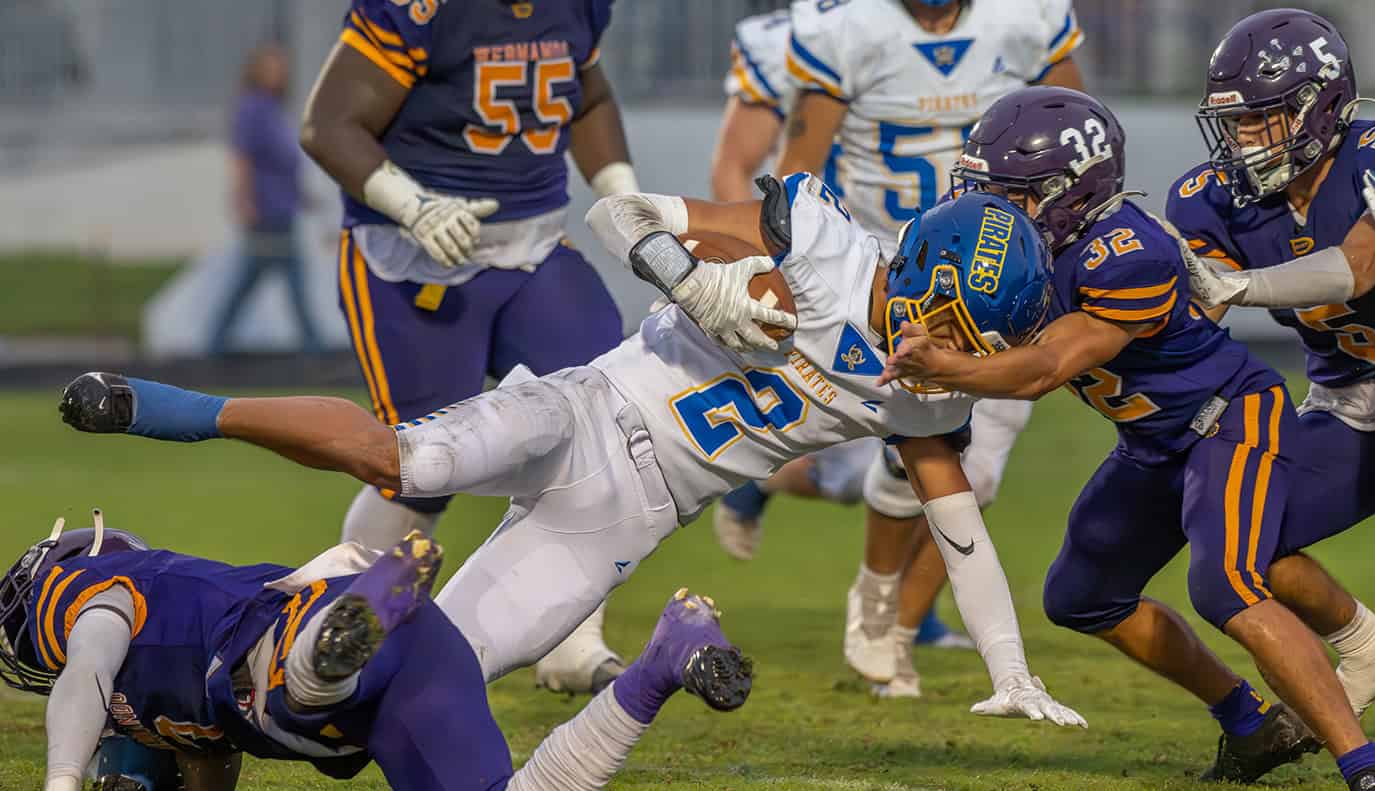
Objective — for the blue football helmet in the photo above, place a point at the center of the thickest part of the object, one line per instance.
(20, 665)
(977, 260)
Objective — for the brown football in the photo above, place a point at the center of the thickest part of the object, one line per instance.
(770, 288)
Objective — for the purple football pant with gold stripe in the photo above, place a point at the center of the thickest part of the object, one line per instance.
(420, 709)
(1225, 497)
(1333, 478)
(416, 360)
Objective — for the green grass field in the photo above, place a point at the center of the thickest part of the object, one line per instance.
(810, 723)
(82, 294)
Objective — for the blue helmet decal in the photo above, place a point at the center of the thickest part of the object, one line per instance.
(976, 260)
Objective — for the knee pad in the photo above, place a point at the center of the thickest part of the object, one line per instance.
(984, 478)
(886, 488)
(1066, 606)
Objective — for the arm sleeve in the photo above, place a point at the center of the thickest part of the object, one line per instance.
(77, 708)
(396, 38)
(1140, 286)
(815, 57)
(1192, 207)
(1059, 34)
(978, 583)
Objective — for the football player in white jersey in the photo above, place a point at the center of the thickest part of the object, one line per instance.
(758, 94)
(603, 461)
(911, 114)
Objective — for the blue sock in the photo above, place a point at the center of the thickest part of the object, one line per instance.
(1242, 712)
(1362, 757)
(171, 413)
(932, 628)
(748, 500)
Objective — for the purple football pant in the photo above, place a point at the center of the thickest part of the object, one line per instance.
(420, 708)
(417, 360)
(1225, 497)
(1333, 481)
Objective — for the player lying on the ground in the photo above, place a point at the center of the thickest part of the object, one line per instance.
(340, 662)
(604, 461)
(1207, 442)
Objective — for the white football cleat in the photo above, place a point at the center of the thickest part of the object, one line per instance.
(871, 610)
(582, 662)
(906, 681)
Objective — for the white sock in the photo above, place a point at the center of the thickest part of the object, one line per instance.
(378, 523)
(1355, 646)
(584, 753)
(302, 684)
(872, 580)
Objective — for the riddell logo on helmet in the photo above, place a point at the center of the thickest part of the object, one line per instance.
(1225, 98)
(973, 163)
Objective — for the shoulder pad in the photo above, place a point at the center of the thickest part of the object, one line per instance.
(776, 219)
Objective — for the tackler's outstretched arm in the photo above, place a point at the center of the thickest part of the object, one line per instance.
(978, 582)
(1330, 276)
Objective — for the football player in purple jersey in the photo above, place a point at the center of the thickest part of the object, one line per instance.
(446, 125)
(338, 663)
(1279, 217)
(1207, 438)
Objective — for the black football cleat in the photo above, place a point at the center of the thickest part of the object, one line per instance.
(100, 403)
(1363, 780)
(688, 649)
(1283, 738)
(379, 600)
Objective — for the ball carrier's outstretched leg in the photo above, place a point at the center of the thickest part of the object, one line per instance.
(588, 499)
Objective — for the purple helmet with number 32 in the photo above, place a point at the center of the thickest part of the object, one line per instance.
(1287, 73)
(1059, 146)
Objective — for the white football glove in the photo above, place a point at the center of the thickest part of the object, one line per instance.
(1026, 696)
(447, 227)
(717, 297)
(1212, 282)
(1368, 191)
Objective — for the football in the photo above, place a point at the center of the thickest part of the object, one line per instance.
(770, 288)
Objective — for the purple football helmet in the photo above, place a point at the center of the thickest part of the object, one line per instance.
(20, 666)
(1060, 146)
(1280, 96)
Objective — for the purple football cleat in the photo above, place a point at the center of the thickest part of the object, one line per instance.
(687, 651)
(379, 600)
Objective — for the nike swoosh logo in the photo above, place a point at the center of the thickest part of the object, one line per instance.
(963, 550)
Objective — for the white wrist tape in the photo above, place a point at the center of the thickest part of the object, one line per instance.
(621, 221)
(393, 192)
(617, 178)
(1322, 278)
(978, 582)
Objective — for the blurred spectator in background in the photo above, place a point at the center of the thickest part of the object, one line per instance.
(266, 163)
